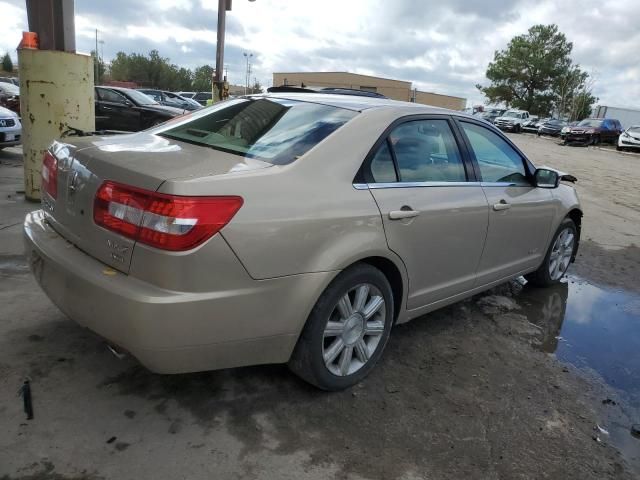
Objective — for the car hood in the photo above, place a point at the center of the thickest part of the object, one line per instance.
(633, 135)
(5, 112)
(172, 111)
(583, 129)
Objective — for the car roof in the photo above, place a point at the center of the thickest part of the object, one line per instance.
(357, 103)
(120, 89)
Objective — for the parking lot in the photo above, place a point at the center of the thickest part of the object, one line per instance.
(513, 381)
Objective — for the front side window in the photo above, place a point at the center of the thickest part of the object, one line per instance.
(426, 151)
(498, 161)
(277, 131)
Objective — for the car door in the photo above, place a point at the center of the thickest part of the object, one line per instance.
(520, 215)
(435, 216)
(118, 112)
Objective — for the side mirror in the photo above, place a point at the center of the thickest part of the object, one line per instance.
(545, 178)
(128, 103)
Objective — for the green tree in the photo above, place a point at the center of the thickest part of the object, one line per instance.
(582, 105)
(151, 70)
(256, 88)
(535, 72)
(99, 68)
(203, 78)
(7, 64)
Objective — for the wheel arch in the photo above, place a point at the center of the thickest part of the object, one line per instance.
(395, 278)
(576, 214)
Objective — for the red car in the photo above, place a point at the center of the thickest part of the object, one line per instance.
(10, 96)
(592, 131)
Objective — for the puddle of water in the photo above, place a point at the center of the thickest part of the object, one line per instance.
(596, 329)
(13, 265)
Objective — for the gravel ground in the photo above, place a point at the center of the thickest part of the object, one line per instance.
(465, 392)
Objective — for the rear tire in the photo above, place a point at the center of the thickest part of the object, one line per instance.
(346, 331)
(558, 258)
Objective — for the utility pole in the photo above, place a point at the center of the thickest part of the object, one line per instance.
(247, 71)
(219, 80)
(95, 61)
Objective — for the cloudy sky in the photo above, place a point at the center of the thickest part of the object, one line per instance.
(441, 46)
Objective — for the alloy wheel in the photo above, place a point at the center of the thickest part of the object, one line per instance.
(354, 330)
(561, 253)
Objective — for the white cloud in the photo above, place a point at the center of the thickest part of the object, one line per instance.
(440, 46)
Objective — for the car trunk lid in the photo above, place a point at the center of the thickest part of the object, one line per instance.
(141, 160)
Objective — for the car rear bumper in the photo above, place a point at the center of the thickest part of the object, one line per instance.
(170, 331)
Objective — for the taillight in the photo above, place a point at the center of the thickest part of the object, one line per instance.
(167, 222)
(50, 174)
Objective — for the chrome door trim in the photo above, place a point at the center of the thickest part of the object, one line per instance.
(503, 184)
(366, 186)
(376, 186)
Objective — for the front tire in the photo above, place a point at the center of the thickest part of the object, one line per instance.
(558, 257)
(346, 331)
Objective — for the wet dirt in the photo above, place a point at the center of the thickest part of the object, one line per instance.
(596, 329)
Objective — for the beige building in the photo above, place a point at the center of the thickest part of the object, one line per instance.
(395, 89)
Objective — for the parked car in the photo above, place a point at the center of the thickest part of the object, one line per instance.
(15, 81)
(592, 131)
(531, 125)
(256, 230)
(10, 128)
(512, 120)
(566, 128)
(202, 97)
(629, 139)
(490, 114)
(126, 109)
(10, 97)
(551, 127)
(171, 99)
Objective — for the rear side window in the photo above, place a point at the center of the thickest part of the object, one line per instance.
(277, 131)
(426, 151)
(382, 168)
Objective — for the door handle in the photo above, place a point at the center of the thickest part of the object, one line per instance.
(107, 108)
(503, 205)
(400, 214)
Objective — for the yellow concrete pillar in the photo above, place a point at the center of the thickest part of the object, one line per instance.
(56, 92)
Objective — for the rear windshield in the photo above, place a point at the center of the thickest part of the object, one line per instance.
(273, 130)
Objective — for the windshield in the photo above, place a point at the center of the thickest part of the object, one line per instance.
(634, 129)
(590, 123)
(513, 114)
(140, 98)
(555, 122)
(277, 131)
